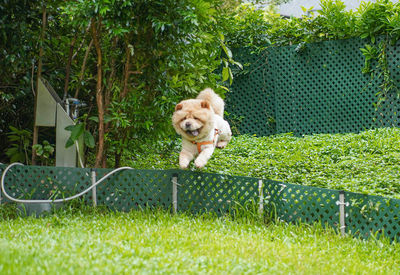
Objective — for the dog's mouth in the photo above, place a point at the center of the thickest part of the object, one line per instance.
(193, 133)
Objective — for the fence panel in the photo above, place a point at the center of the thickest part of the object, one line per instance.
(135, 189)
(292, 203)
(43, 182)
(368, 215)
(251, 106)
(203, 192)
(318, 89)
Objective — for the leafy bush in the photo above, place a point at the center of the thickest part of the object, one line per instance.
(367, 162)
(258, 29)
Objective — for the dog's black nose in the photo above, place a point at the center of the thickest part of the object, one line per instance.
(187, 124)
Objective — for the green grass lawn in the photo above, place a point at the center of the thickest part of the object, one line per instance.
(101, 242)
(368, 162)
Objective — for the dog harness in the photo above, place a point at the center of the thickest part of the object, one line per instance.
(199, 144)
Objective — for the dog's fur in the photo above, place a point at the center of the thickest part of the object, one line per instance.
(196, 121)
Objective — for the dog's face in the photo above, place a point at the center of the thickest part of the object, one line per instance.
(193, 119)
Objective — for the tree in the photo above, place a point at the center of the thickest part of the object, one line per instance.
(149, 55)
(130, 61)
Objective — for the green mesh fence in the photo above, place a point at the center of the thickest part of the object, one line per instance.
(320, 89)
(368, 215)
(135, 189)
(203, 192)
(41, 182)
(291, 202)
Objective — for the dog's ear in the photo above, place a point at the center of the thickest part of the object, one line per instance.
(178, 107)
(205, 104)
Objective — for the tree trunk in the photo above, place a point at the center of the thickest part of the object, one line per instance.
(68, 67)
(99, 95)
(126, 70)
(82, 73)
(39, 74)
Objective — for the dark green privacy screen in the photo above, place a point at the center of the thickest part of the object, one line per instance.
(216, 193)
(203, 192)
(319, 89)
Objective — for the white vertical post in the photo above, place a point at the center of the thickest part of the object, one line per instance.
(94, 191)
(175, 193)
(261, 201)
(342, 213)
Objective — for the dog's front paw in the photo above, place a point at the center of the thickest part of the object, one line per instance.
(222, 144)
(200, 163)
(184, 159)
(183, 164)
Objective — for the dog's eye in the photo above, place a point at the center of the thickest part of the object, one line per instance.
(196, 118)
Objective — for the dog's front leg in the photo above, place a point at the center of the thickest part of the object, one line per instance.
(184, 159)
(204, 156)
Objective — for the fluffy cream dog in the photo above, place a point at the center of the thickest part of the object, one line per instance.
(201, 124)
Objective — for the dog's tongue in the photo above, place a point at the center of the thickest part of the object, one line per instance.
(195, 133)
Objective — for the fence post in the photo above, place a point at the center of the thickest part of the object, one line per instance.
(175, 193)
(342, 212)
(94, 191)
(261, 201)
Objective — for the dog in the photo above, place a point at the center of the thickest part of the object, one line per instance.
(201, 124)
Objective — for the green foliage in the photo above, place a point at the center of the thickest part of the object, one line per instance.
(365, 163)
(19, 141)
(376, 64)
(258, 29)
(370, 53)
(44, 151)
(19, 26)
(373, 18)
(77, 131)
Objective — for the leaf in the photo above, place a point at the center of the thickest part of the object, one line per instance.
(13, 129)
(77, 131)
(94, 118)
(69, 128)
(221, 36)
(39, 151)
(12, 151)
(238, 64)
(227, 51)
(107, 119)
(49, 149)
(69, 143)
(225, 74)
(88, 139)
(19, 157)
